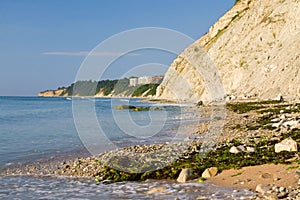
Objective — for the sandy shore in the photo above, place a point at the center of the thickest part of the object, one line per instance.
(249, 177)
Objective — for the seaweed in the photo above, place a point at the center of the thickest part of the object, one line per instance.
(220, 158)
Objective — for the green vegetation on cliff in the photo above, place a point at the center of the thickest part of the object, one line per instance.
(120, 87)
(149, 89)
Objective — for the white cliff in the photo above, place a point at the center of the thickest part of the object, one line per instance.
(251, 52)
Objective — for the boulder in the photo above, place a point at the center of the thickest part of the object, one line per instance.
(286, 145)
(262, 189)
(184, 175)
(210, 172)
(237, 149)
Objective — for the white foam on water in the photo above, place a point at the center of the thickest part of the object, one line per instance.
(66, 188)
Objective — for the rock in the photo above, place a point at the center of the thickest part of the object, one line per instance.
(275, 120)
(262, 189)
(282, 189)
(156, 108)
(266, 176)
(250, 149)
(66, 166)
(283, 195)
(277, 179)
(124, 107)
(271, 197)
(231, 97)
(210, 172)
(137, 109)
(277, 125)
(279, 98)
(286, 145)
(288, 108)
(291, 124)
(200, 103)
(282, 116)
(236, 149)
(156, 190)
(184, 175)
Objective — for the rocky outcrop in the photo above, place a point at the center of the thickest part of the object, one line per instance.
(250, 52)
(53, 93)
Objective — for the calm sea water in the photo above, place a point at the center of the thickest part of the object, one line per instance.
(36, 128)
(33, 128)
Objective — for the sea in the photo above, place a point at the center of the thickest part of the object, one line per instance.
(35, 129)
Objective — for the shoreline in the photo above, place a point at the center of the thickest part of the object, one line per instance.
(247, 123)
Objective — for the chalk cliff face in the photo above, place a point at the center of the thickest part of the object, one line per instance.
(251, 52)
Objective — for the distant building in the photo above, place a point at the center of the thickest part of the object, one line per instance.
(157, 79)
(133, 81)
(144, 80)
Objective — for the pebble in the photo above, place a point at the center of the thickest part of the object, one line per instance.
(106, 182)
(276, 179)
(281, 189)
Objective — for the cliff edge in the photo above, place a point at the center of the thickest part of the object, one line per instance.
(254, 48)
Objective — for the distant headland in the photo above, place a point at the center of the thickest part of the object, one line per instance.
(144, 86)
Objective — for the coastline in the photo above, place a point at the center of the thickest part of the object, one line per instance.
(96, 97)
(245, 122)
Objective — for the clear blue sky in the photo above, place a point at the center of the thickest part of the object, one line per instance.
(29, 29)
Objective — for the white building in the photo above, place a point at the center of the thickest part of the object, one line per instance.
(133, 81)
(144, 80)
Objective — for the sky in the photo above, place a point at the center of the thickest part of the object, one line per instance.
(44, 43)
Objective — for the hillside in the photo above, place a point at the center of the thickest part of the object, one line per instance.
(103, 88)
(255, 49)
